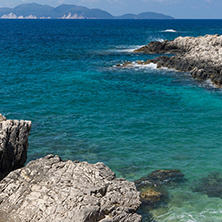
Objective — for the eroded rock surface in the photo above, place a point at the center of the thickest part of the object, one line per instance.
(202, 56)
(49, 189)
(13, 144)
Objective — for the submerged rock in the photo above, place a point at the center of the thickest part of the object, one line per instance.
(13, 144)
(160, 177)
(49, 189)
(201, 55)
(166, 176)
(210, 185)
(153, 189)
(152, 197)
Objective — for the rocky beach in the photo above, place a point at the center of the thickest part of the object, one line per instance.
(201, 56)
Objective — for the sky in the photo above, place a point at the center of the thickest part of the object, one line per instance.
(180, 9)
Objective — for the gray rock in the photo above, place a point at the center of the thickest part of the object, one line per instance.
(49, 189)
(13, 144)
(203, 53)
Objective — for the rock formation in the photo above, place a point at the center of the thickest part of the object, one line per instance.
(152, 188)
(202, 56)
(49, 189)
(13, 144)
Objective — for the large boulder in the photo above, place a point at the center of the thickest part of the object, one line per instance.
(49, 189)
(13, 144)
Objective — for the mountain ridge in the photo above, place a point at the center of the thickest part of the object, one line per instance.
(69, 11)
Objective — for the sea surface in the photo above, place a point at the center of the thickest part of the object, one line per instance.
(61, 75)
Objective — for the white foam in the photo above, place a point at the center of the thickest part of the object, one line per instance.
(169, 30)
(158, 40)
(208, 81)
(142, 66)
(125, 49)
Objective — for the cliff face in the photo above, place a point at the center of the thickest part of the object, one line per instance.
(13, 144)
(49, 189)
(202, 56)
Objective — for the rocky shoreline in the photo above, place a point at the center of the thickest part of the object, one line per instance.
(49, 189)
(201, 56)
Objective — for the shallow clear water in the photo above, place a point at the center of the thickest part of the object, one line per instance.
(61, 75)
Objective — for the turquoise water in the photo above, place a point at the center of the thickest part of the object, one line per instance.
(61, 75)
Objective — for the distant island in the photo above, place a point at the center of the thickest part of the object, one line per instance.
(37, 11)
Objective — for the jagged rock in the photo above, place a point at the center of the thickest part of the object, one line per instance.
(160, 47)
(160, 177)
(203, 53)
(49, 189)
(13, 144)
(210, 185)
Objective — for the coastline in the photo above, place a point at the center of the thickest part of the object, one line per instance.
(201, 56)
(50, 189)
(135, 120)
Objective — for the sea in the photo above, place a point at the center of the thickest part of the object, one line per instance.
(62, 75)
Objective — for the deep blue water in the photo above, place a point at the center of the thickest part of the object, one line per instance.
(61, 75)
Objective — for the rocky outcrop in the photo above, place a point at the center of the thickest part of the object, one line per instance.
(13, 144)
(49, 189)
(202, 56)
(161, 47)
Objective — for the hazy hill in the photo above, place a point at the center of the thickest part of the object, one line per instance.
(145, 15)
(64, 9)
(153, 15)
(33, 10)
(98, 13)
